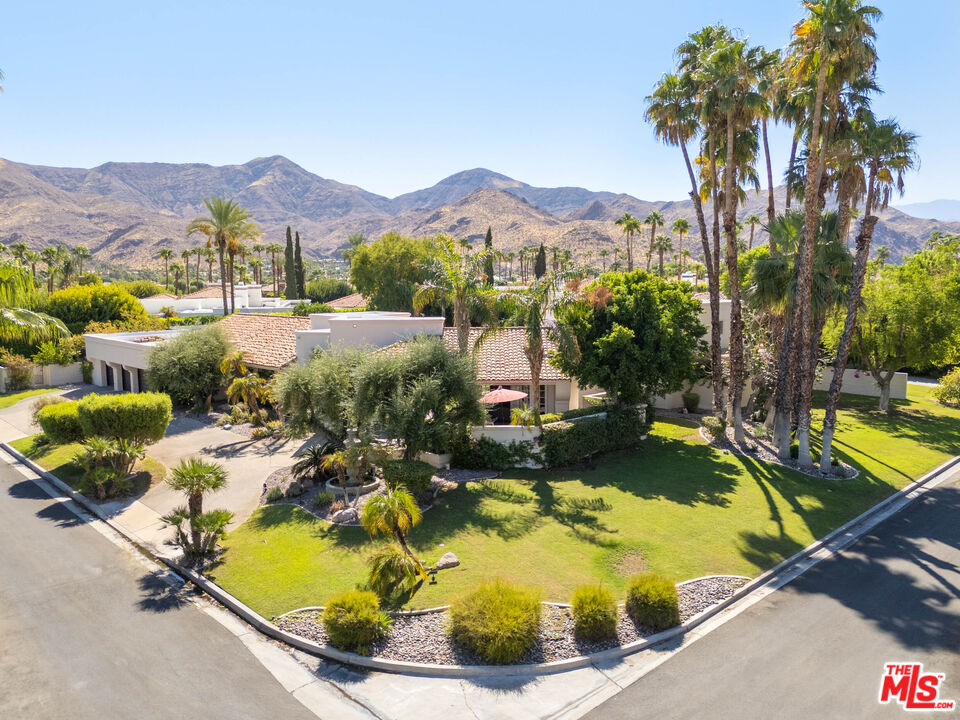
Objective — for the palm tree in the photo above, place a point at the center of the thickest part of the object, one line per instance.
(199, 251)
(752, 220)
(195, 478)
(251, 390)
(273, 249)
(185, 256)
(32, 257)
(603, 258)
(19, 252)
(80, 253)
(256, 265)
(65, 266)
(662, 244)
(654, 220)
(458, 280)
(233, 366)
(394, 512)
(165, 254)
(681, 226)
(887, 153)
(227, 223)
(50, 258)
(177, 270)
(18, 324)
(883, 254)
(209, 256)
(629, 226)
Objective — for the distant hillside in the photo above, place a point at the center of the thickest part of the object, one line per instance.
(125, 212)
(935, 209)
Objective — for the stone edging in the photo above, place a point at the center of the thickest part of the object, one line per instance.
(427, 669)
(737, 451)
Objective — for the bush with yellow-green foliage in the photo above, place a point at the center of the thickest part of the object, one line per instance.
(353, 621)
(948, 392)
(594, 613)
(499, 621)
(79, 305)
(652, 601)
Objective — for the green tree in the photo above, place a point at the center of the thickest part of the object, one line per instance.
(227, 224)
(196, 478)
(654, 220)
(488, 260)
(251, 390)
(274, 249)
(681, 226)
(18, 323)
(394, 512)
(290, 268)
(80, 253)
(187, 367)
(662, 244)
(50, 257)
(629, 226)
(752, 220)
(165, 254)
(540, 264)
(298, 268)
(77, 306)
(388, 271)
(634, 335)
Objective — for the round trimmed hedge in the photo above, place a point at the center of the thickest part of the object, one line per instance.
(652, 601)
(414, 475)
(498, 621)
(61, 422)
(353, 621)
(594, 612)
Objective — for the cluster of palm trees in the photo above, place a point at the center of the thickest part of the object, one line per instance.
(721, 97)
(660, 244)
(63, 265)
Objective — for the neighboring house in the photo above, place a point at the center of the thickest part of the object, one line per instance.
(354, 301)
(209, 301)
(369, 327)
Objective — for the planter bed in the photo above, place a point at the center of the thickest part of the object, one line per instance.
(423, 637)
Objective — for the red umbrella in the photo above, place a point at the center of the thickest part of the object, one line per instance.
(501, 396)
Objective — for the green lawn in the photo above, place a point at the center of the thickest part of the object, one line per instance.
(675, 506)
(8, 399)
(58, 459)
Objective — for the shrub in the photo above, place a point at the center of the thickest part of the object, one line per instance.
(323, 499)
(484, 453)
(19, 371)
(594, 613)
(325, 289)
(294, 489)
(691, 401)
(140, 288)
(414, 475)
(589, 410)
(547, 418)
(61, 422)
(948, 392)
(337, 505)
(652, 601)
(498, 621)
(76, 306)
(141, 417)
(274, 494)
(56, 352)
(187, 367)
(41, 402)
(715, 427)
(353, 621)
(303, 308)
(261, 432)
(565, 443)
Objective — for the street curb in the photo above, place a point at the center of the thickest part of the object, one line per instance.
(464, 671)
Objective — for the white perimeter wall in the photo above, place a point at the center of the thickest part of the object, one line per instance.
(861, 382)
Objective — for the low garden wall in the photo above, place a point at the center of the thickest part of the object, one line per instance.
(862, 382)
(48, 376)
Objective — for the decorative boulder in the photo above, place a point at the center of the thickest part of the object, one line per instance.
(347, 515)
(448, 560)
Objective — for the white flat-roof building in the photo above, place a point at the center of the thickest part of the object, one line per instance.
(209, 301)
(368, 327)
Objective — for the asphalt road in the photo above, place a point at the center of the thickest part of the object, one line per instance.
(816, 648)
(86, 631)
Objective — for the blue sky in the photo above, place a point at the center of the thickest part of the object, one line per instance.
(395, 96)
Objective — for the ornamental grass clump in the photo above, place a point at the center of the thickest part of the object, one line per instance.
(652, 601)
(353, 621)
(499, 621)
(594, 613)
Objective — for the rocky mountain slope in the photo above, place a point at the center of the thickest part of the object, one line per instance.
(125, 212)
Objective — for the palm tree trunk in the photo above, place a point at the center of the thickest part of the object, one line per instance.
(653, 230)
(223, 278)
(750, 246)
(713, 286)
(736, 321)
(629, 251)
(232, 297)
(406, 548)
(811, 219)
(771, 205)
(461, 316)
(716, 205)
(536, 366)
(793, 158)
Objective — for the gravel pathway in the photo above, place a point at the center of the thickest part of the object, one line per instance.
(424, 638)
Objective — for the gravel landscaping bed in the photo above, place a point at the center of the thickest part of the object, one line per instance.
(762, 448)
(424, 638)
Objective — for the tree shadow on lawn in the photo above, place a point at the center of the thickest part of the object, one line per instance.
(668, 469)
(921, 613)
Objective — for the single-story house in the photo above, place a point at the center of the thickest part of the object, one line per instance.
(209, 301)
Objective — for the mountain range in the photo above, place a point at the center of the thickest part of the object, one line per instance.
(125, 212)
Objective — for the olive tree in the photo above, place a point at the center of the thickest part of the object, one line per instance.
(187, 366)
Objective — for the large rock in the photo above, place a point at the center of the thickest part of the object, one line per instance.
(347, 515)
(449, 560)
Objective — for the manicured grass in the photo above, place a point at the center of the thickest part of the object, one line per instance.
(8, 399)
(675, 506)
(58, 459)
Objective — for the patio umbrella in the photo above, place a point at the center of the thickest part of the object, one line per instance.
(501, 396)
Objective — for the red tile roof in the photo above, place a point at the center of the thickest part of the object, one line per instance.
(211, 291)
(705, 296)
(266, 341)
(500, 359)
(349, 302)
(161, 296)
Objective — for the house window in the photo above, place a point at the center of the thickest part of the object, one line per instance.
(543, 398)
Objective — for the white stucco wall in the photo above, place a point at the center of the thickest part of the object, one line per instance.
(725, 306)
(362, 328)
(861, 382)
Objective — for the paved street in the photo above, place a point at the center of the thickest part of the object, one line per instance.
(816, 648)
(88, 632)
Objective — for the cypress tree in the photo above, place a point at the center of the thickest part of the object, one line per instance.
(298, 267)
(289, 269)
(540, 265)
(488, 260)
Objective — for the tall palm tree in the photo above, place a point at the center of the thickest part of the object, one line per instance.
(654, 220)
(185, 256)
(662, 244)
(681, 226)
(32, 258)
(883, 254)
(209, 257)
(17, 323)
(457, 280)
(165, 254)
(19, 252)
(80, 253)
(195, 478)
(887, 152)
(177, 270)
(603, 258)
(227, 223)
(629, 226)
(51, 258)
(752, 220)
(65, 266)
(256, 265)
(199, 251)
(273, 249)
